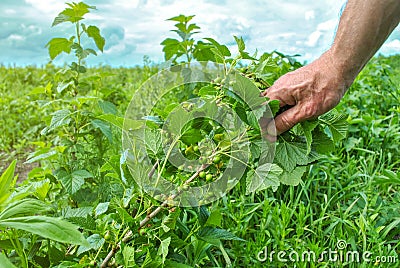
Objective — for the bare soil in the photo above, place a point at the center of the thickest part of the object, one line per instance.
(22, 169)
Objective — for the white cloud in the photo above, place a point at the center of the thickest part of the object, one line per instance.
(49, 7)
(309, 15)
(313, 39)
(126, 4)
(395, 44)
(327, 26)
(32, 29)
(15, 37)
(390, 47)
(10, 11)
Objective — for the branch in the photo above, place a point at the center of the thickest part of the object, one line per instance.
(164, 204)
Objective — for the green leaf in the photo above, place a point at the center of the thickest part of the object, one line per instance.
(259, 111)
(95, 241)
(55, 255)
(60, 19)
(84, 174)
(104, 128)
(219, 58)
(81, 69)
(246, 56)
(387, 178)
(71, 184)
(247, 91)
(240, 43)
(74, 181)
(185, 32)
(60, 118)
(224, 51)
(129, 256)
(289, 155)
(113, 119)
(51, 228)
(207, 90)
(88, 223)
(192, 136)
(41, 155)
(101, 208)
(76, 212)
(6, 244)
(170, 220)
(182, 18)
(192, 27)
(153, 142)
(213, 235)
(163, 249)
(58, 45)
(91, 51)
(37, 90)
(23, 207)
(274, 106)
(94, 33)
(74, 13)
(322, 143)
(156, 120)
(215, 218)
(308, 127)
(336, 123)
(5, 262)
(202, 52)
(42, 188)
(294, 177)
(64, 85)
(151, 262)
(254, 116)
(79, 52)
(203, 215)
(394, 225)
(6, 182)
(171, 47)
(263, 177)
(108, 107)
(124, 216)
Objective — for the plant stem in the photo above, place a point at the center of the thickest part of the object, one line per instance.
(78, 35)
(148, 217)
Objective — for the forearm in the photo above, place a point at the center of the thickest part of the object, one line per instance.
(363, 27)
(318, 87)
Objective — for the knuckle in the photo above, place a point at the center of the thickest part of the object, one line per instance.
(310, 110)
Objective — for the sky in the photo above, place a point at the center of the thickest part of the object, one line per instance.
(134, 28)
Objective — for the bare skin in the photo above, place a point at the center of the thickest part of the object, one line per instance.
(318, 87)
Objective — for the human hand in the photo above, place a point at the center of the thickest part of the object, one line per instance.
(311, 91)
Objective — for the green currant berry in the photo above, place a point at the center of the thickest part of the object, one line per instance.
(217, 159)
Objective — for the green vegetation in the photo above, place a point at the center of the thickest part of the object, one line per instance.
(77, 205)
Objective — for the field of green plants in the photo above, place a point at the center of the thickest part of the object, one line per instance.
(72, 194)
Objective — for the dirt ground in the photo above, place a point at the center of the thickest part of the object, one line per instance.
(21, 169)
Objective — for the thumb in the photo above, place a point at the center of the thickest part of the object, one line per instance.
(285, 120)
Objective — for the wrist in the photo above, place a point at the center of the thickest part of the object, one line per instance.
(341, 65)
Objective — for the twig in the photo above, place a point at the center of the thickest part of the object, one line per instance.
(129, 234)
